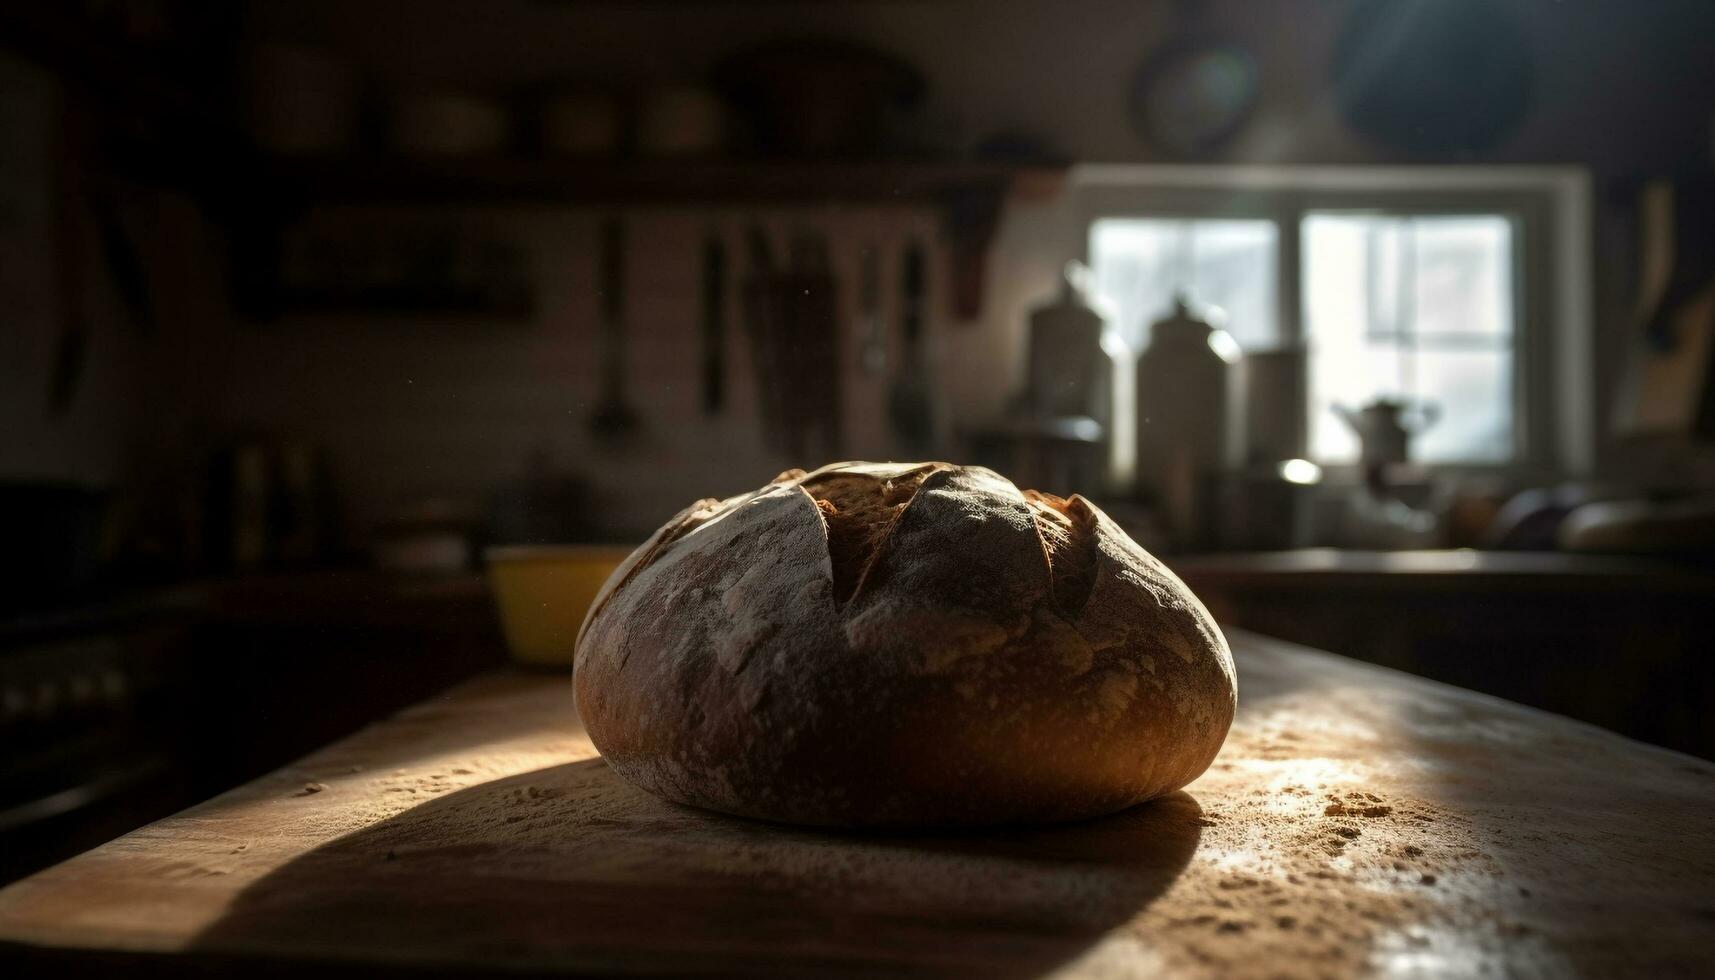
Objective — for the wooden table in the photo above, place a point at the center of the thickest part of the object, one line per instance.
(1358, 822)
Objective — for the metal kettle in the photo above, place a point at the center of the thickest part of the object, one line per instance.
(1385, 426)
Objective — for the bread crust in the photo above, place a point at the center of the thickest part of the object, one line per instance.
(1002, 657)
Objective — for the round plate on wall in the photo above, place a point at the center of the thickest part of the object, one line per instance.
(1191, 96)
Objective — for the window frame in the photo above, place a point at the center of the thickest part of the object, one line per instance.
(1530, 448)
(1279, 246)
(1548, 208)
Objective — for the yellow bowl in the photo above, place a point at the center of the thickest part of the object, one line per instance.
(543, 592)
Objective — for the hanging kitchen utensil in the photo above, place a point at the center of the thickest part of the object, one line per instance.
(614, 420)
(714, 325)
(791, 318)
(790, 327)
(1667, 387)
(908, 402)
(124, 262)
(816, 335)
(71, 354)
(758, 328)
(71, 347)
(873, 357)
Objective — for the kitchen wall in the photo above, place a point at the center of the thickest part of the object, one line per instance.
(417, 407)
(1623, 88)
(412, 407)
(1058, 71)
(82, 441)
(138, 385)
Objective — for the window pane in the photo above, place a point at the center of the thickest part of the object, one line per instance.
(1350, 375)
(1337, 281)
(1472, 390)
(1140, 263)
(1417, 309)
(1464, 275)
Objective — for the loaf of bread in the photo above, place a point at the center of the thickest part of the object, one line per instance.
(901, 645)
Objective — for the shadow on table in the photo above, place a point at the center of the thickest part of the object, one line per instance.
(570, 868)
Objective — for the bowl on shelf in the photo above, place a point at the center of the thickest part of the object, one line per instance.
(543, 592)
(819, 98)
(433, 123)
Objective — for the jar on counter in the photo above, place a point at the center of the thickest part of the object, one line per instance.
(1187, 420)
(1073, 354)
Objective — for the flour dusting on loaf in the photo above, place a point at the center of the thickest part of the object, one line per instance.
(901, 644)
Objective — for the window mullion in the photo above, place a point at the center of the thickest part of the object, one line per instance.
(1289, 274)
(1406, 304)
(1289, 306)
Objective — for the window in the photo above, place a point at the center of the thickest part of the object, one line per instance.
(1141, 263)
(1413, 308)
(1407, 287)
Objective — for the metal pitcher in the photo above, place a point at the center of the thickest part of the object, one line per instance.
(1385, 426)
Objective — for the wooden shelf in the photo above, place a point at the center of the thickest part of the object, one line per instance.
(114, 76)
(643, 183)
(168, 131)
(153, 114)
(968, 194)
(404, 300)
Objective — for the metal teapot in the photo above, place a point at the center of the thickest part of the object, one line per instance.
(1385, 426)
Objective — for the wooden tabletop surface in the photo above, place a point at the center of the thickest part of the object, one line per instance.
(1359, 822)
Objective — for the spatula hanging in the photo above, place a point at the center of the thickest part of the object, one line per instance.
(714, 324)
(908, 402)
(614, 422)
